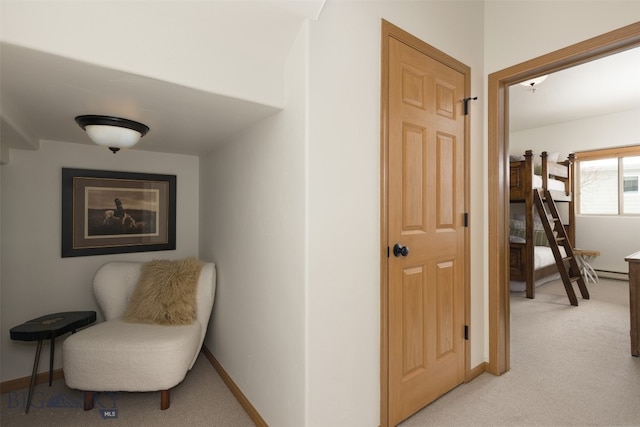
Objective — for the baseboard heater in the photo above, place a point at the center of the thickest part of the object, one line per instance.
(616, 275)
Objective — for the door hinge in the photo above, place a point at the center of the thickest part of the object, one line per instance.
(466, 332)
(466, 219)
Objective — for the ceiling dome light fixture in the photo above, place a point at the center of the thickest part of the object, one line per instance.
(534, 82)
(112, 132)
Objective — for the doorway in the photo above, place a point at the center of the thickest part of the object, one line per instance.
(424, 232)
(498, 152)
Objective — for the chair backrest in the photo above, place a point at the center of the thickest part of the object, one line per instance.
(115, 281)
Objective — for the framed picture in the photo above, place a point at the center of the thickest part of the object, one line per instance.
(106, 212)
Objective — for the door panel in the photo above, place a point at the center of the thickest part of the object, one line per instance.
(413, 322)
(413, 180)
(445, 309)
(446, 180)
(426, 205)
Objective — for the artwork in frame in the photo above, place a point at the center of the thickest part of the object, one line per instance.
(109, 212)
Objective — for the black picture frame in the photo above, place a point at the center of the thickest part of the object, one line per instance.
(112, 212)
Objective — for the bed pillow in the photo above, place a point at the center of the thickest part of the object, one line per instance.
(520, 234)
(165, 293)
(537, 162)
(540, 238)
(516, 224)
(516, 239)
(553, 157)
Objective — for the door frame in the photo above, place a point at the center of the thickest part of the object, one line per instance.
(390, 30)
(498, 152)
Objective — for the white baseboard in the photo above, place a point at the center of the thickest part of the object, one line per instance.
(616, 275)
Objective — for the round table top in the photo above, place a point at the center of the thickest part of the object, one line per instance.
(52, 325)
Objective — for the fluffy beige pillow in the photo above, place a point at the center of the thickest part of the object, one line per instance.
(165, 293)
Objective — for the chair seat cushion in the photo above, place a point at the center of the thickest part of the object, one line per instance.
(122, 356)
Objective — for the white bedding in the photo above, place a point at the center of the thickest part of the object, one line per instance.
(522, 286)
(554, 184)
(543, 256)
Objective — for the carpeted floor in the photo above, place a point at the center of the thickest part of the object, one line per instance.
(202, 399)
(570, 366)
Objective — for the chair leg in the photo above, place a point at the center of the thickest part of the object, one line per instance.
(164, 399)
(88, 400)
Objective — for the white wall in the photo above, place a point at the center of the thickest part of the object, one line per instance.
(344, 195)
(614, 237)
(253, 225)
(590, 133)
(35, 279)
(295, 230)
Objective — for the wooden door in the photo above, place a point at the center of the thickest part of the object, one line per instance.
(426, 290)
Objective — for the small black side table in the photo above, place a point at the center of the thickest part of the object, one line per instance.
(48, 328)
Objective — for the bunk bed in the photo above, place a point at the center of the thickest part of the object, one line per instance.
(531, 260)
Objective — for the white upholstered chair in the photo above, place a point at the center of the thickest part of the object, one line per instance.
(116, 355)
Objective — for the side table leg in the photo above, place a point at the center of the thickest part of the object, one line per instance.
(33, 375)
(51, 351)
(594, 275)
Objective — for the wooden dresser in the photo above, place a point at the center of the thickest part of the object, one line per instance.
(634, 301)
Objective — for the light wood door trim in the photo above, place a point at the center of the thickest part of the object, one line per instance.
(498, 151)
(390, 30)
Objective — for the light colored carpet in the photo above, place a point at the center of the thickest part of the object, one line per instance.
(570, 366)
(202, 399)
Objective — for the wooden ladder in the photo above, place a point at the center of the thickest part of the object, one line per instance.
(557, 236)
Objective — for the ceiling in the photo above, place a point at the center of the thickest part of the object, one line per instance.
(46, 92)
(604, 86)
(41, 93)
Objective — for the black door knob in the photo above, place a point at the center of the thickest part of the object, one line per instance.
(399, 250)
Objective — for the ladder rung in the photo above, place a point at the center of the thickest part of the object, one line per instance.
(574, 278)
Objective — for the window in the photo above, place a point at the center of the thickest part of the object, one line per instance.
(607, 181)
(630, 184)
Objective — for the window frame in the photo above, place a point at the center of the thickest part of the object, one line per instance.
(618, 153)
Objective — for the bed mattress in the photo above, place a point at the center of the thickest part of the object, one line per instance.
(554, 184)
(543, 256)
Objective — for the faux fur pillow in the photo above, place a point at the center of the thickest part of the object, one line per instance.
(165, 293)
